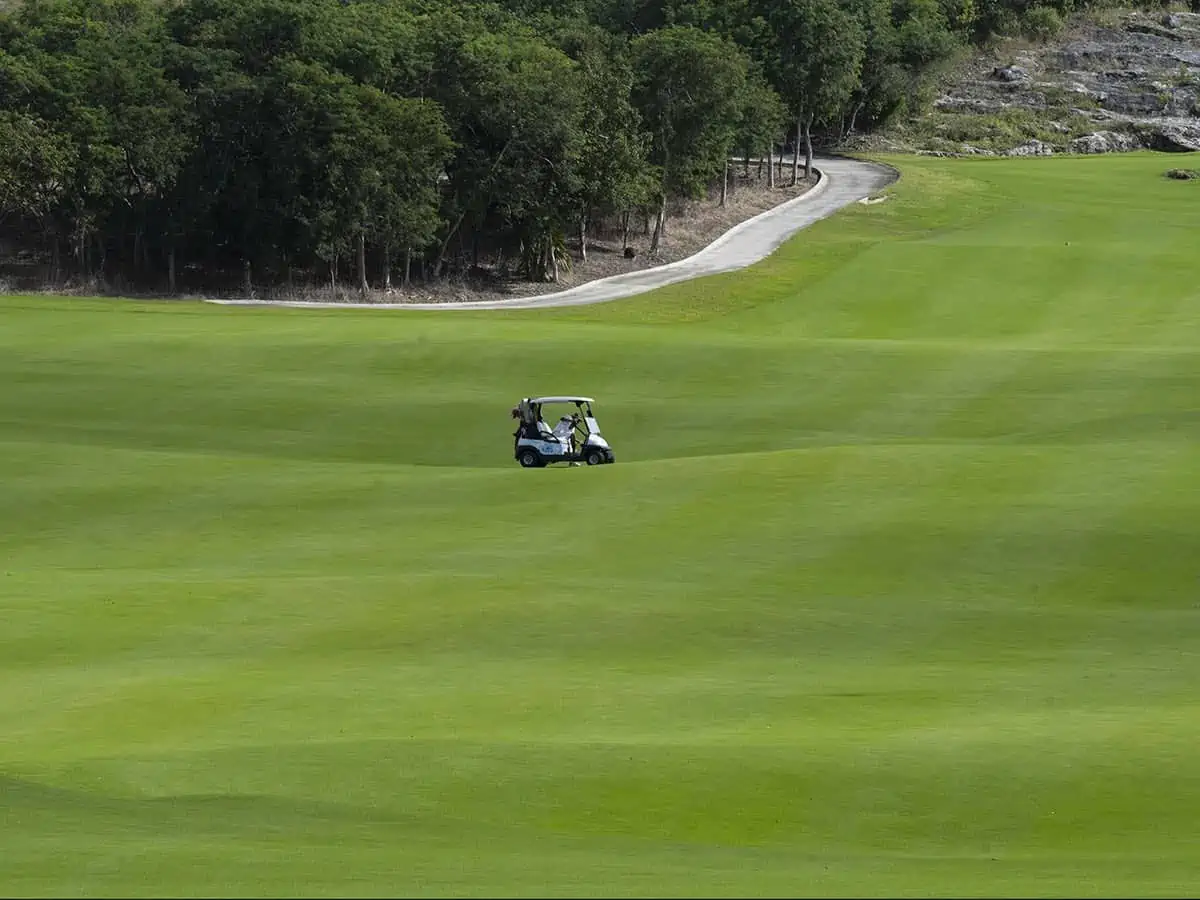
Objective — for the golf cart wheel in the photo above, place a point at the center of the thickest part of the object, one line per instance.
(529, 459)
(595, 458)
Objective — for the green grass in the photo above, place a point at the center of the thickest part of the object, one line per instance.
(892, 591)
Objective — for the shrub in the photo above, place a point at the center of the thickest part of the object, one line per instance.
(1042, 23)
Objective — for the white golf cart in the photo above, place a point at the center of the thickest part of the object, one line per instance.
(573, 439)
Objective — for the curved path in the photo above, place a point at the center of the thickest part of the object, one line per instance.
(841, 182)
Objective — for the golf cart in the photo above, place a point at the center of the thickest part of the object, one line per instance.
(575, 438)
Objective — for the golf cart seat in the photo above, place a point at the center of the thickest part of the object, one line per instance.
(537, 431)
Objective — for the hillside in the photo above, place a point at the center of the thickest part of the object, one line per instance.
(891, 592)
(1113, 81)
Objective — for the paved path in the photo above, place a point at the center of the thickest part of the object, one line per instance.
(842, 182)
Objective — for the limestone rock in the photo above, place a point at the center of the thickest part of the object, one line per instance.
(1010, 73)
(1031, 147)
(1174, 137)
(1104, 142)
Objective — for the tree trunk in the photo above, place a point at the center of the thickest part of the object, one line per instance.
(387, 268)
(440, 262)
(808, 150)
(583, 224)
(660, 222)
(796, 155)
(541, 264)
(407, 264)
(725, 183)
(171, 270)
(553, 259)
(625, 230)
(853, 119)
(779, 166)
(746, 162)
(760, 168)
(247, 278)
(333, 264)
(770, 169)
(441, 257)
(363, 285)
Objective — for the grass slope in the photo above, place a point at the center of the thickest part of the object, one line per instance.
(892, 592)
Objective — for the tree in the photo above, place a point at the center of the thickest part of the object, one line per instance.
(36, 164)
(924, 38)
(689, 91)
(763, 116)
(388, 45)
(248, 187)
(883, 81)
(94, 70)
(304, 154)
(515, 109)
(612, 160)
(386, 155)
(635, 17)
(816, 62)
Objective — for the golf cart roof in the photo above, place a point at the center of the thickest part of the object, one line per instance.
(561, 400)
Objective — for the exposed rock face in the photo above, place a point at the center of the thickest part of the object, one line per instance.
(1104, 142)
(1176, 137)
(1031, 148)
(1131, 86)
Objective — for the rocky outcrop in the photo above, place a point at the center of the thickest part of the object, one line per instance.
(1174, 137)
(1031, 148)
(1104, 142)
(1103, 89)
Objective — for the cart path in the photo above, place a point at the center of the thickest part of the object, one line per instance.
(841, 182)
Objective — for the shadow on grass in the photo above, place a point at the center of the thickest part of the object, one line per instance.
(33, 806)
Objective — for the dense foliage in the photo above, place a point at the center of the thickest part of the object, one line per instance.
(261, 141)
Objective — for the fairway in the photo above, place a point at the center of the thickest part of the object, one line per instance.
(891, 592)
